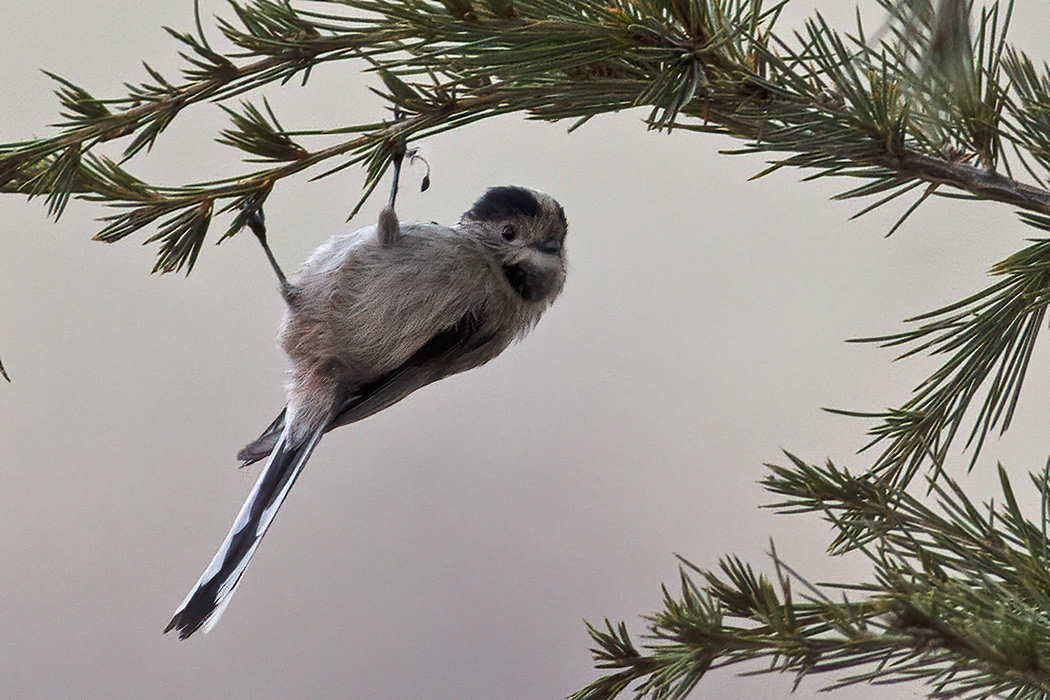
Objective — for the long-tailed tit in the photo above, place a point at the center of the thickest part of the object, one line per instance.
(374, 315)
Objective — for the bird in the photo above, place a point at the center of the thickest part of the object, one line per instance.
(374, 315)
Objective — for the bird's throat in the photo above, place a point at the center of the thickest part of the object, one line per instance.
(521, 281)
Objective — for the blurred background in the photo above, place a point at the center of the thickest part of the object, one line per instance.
(452, 546)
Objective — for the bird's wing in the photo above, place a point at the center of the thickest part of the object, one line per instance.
(262, 446)
(431, 361)
(449, 351)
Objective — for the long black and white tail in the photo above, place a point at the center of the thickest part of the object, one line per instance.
(206, 602)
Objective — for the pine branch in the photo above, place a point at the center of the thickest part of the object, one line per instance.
(707, 59)
(553, 60)
(957, 600)
(988, 338)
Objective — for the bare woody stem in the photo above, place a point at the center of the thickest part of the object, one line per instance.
(969, 178)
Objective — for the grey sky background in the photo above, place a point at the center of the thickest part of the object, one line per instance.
(452, 546)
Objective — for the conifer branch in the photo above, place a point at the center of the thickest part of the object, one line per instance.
(957, 602)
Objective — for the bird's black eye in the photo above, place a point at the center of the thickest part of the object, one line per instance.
(509, 233)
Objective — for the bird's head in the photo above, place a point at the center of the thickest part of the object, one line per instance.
(525, 230)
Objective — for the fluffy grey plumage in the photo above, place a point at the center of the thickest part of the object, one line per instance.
(376, 314)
